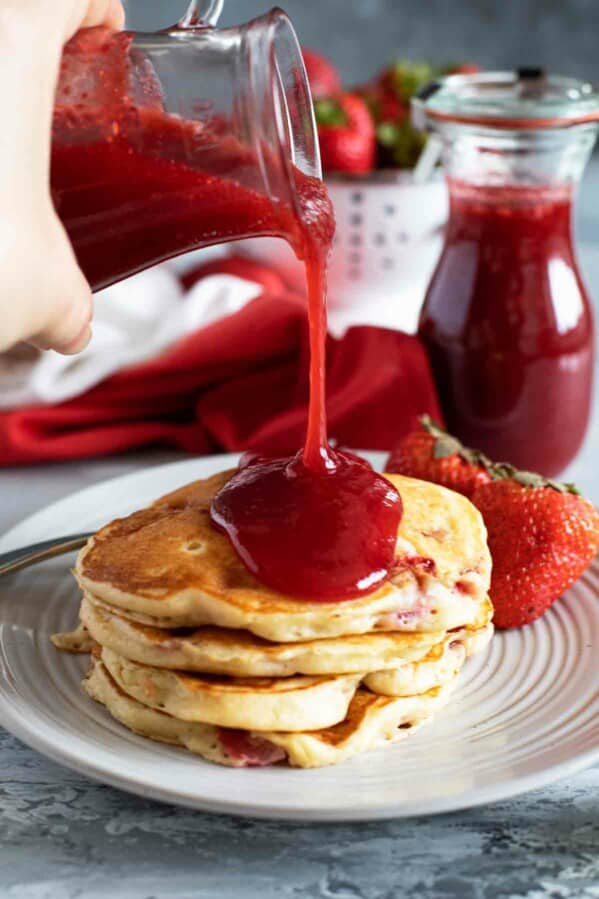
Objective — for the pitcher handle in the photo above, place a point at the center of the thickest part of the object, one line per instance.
(201, 12)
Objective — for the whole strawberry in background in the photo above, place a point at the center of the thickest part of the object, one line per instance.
(388, 96)
(462, 68)
(399, 144)
(542, 535)
(390, 140)
(431, 454)
(345, 133)
(323, 76)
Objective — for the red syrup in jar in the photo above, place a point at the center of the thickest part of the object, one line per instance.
(508, 326)
(321, 525)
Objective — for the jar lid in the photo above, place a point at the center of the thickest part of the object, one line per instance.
(525, 98)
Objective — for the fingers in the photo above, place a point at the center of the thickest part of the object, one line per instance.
(48, 305)
(77, 345)
(69, 329)
(103, 12)
(115, 17)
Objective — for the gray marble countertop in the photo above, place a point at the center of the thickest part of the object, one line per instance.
(64, 837)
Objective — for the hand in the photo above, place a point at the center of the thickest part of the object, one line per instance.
(44, 297)
(90, 13)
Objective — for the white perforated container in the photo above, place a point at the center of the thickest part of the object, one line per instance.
(389, 236)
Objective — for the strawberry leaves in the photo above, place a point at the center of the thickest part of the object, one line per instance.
(446, 445)
(329, 113)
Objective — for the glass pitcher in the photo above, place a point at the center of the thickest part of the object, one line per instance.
(507, 319)
(167, 142)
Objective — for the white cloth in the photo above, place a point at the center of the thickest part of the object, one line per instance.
(133, 321)
(142, 316)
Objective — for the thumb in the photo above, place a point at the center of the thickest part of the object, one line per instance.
(69, 328)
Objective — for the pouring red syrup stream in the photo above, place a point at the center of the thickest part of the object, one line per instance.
(321, 525)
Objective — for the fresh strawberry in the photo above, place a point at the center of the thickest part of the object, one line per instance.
(391, 108)
(399, 144)
(542, 536)
(462, 68)
(432, 454)
(370, 93)
(323, 76)
(346, 134)
(405, 78)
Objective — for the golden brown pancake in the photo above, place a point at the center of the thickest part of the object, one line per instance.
(242, 654)
(371, 721)
(297, 703)
(168, 565)
(252, 703)
(437, 668)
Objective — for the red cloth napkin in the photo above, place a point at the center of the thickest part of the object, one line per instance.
(240, 383)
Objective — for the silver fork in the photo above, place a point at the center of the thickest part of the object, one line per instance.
(25, 556)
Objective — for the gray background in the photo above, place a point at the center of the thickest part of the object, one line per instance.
(360, 35)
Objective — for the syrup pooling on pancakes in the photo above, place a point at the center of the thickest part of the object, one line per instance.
(324, 535)
(321, 525)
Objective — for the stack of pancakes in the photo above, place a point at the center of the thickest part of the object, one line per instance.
(190, 649)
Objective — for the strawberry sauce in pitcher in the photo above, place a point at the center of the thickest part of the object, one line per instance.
(135, 183)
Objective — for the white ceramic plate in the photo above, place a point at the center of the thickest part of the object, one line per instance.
(525, 713)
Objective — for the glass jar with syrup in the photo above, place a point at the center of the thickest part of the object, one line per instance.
(507, 319)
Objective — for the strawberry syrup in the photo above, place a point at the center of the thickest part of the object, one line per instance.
(508, 325)
(321, 525)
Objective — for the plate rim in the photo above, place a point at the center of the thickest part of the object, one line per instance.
(103, 773)
(460, 802)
